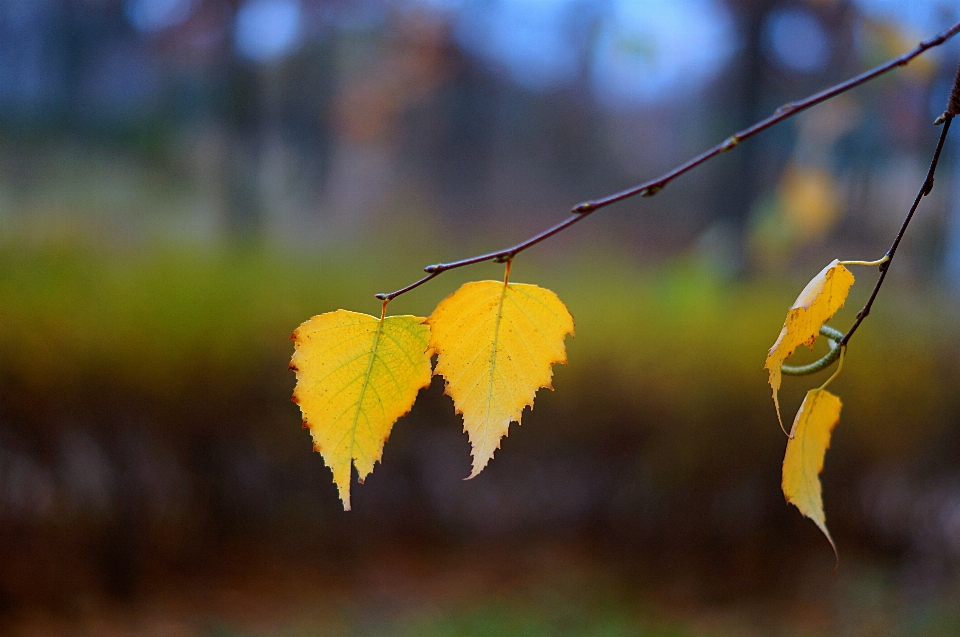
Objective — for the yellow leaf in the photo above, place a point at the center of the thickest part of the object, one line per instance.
(820, 300)
(356, 374)
(803, 462)
(496, 343)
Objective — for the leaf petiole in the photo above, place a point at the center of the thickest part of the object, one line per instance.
(843, 349)
(870, 264)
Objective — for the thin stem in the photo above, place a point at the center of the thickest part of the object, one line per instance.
(652, 187)
(843, 350)
(869, 264)
(885, 265)
(499, 256)
(389, 297)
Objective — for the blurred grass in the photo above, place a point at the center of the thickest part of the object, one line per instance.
(150, 317)
(154, 319)
(517, 620)
(673, 352)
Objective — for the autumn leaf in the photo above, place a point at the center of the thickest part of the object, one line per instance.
(496, 343)
(819, 300)
(803, 461)
(356, 374)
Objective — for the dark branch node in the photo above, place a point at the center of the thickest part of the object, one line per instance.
(583, 208)
(729, 143)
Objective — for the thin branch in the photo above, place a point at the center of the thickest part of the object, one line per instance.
(389, 297)
(924, 191)
(500, 256)
(652, 187)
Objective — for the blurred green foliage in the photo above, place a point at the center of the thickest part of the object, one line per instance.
(675, 336)
(674, 342)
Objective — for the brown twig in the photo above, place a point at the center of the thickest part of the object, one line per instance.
(652, 187)
(925, 189)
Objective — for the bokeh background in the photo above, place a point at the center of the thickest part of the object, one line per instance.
(182, 182)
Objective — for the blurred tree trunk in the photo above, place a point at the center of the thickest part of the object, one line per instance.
(738, 183)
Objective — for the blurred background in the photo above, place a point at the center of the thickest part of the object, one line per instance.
(182, 182)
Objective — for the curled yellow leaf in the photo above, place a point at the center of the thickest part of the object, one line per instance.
(496, 343)
(817, 303)
(806, 448)
(356, 374)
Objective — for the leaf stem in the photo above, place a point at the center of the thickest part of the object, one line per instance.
(870, 264)
(653, 186)
(925, 189)
(843, 350)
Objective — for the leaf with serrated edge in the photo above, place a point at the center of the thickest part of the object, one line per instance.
(356, 375)
(803, 461)
(817, 303)
(496, 344)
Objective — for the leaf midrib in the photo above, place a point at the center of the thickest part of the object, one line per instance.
(363, 389)
(493, 361)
